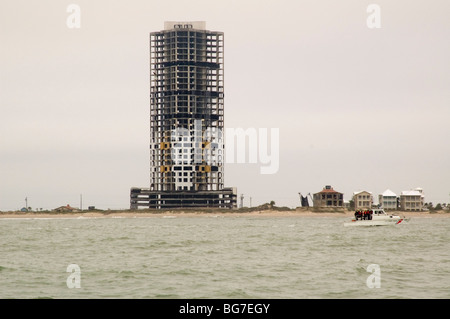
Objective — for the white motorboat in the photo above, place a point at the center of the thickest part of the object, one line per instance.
(375, 217)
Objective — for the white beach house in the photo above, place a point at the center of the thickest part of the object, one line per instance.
(388, 200)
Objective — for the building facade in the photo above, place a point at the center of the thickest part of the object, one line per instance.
(328, 197)
(412, 200)
(388, 200)
(186, 120)
(362, 200)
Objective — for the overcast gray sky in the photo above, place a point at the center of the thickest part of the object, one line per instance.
(357, 108)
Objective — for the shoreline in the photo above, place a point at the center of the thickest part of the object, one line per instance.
(209, 213)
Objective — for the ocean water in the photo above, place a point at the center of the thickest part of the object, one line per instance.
(223, 257)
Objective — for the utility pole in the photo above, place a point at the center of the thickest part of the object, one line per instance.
(81, 201)
(242, 200)
(26, 203)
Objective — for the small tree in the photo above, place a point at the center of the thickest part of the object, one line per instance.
(438, 207)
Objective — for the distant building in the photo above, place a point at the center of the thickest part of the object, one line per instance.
(186, 120)
(328, 197)
(362, 200)
(66, 209)
(412, 200)
(388, 200)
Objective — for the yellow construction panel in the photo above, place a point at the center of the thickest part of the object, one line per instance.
(164, 168)
(204, 168)
(164, 145)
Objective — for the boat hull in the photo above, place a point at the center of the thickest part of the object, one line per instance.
(382, 222)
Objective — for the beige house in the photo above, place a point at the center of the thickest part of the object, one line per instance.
(328, 197)
(363, 200)
(412, 200)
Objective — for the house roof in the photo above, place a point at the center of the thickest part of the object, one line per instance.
(328, 190)
(358, 192)
(67, 207)
(412, 193)
(388, 193)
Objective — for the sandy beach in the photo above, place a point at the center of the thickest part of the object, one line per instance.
(299, 212)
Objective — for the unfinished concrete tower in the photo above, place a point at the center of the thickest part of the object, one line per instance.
(186, 120)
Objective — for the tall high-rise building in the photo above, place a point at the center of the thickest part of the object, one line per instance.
(186, 120)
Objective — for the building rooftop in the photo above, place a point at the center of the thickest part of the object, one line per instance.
(328, 189)
(412, 193)
(198, 25)
(388, 193)
(356, 193)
